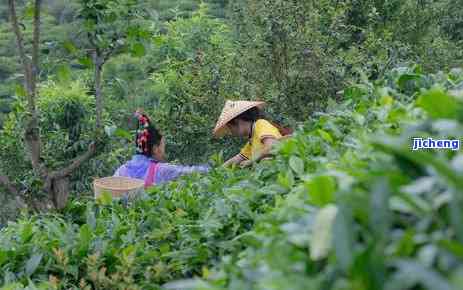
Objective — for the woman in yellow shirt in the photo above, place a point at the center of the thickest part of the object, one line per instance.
(244, 119)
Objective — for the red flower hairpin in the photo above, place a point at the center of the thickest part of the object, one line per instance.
(143, 134)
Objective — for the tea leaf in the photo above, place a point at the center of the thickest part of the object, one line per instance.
(412, 273)
(32, 264)
(105, 198)
(343, 238)
(3, 257)
(322, 232)
(321, 189)
(438, 104)
(297, 165)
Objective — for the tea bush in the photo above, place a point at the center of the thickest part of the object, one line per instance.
(364, 210)
(345, 204)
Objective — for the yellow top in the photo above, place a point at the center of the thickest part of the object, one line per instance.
(262, 129)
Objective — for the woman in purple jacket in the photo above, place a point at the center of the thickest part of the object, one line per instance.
(148, 163)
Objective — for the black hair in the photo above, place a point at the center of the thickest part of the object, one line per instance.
(156, 136)
(254, 114)
(250, 115)
(151, 133)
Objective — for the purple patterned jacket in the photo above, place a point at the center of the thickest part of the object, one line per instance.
(139, 165)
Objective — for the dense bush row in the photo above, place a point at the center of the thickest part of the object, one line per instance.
(364, 211)
(292, 54)
(345, 204)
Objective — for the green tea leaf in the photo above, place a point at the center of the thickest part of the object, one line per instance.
(321, 189)
(64, 73)
(422, 158)
(3, 257)
(70, 47)
(286, 180)
(386, 101)
(138, 50)
(33, 263)
(105, 198)
(405, 78)
(456, 214)
(27, 232)
(325, 135)
(20, 91)
(322, 232)
(343, 240)
(406, 244)
(159, 40)
(454, 247)
(14, 286)
(411, 273)
(85, 237)
(86, 61)
(297, 165)
(380, 215)
(121, 133)
(438, 104)
(29, 11)
(355, 92)
(457, 278)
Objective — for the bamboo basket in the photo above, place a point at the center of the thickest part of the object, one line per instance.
(118, 186)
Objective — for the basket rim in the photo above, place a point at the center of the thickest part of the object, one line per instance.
(137, 183)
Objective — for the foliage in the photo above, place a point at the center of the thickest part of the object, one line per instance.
(453, 20)
(380, 211)
(395, 223)
(66, 108)
(283, 57)
(182, 82)
(344, 205)
(64, 118)
(194, 77)
(296, 53)
(111, 24)
(171, 233)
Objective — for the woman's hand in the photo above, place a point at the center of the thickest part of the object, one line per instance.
(237, 159)
(246, 163)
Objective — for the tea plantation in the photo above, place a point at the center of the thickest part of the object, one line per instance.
(346, 204)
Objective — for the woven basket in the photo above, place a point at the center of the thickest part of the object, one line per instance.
(118, 186)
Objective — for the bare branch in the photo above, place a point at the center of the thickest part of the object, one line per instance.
(20, 43)
(75, 163)
(35, 45)
(98, 61)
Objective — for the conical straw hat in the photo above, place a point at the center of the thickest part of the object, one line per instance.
(230, 111)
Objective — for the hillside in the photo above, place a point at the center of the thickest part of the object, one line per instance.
(365, 195)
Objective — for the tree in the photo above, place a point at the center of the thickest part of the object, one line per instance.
(111, 26)
(55, 182)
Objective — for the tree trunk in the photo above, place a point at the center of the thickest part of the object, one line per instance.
(98, 61)
(32, 133)
(60, 192)
(56, 183)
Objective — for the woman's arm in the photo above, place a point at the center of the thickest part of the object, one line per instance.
(268, 144)
(237, 159)
(167, 172)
